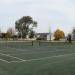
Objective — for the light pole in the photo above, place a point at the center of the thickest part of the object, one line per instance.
(50, 32)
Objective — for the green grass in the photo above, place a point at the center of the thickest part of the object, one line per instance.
(46, 59)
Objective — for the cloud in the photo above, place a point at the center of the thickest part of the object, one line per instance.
(6, 1)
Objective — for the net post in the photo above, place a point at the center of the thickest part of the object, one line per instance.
(7, 43)
(32, 43)
(39, 43)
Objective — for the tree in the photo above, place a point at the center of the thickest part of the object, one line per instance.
(7, 35)
(31, 34)
(58, 34)
(73, 33)
(23, 25)
(10, 32)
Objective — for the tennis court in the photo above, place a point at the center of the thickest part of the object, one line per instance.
(22, 58)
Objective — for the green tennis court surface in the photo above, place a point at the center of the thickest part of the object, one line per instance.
(47, 59)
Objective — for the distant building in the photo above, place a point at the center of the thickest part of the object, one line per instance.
(43, 36)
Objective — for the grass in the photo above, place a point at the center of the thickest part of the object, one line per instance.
(46, 59)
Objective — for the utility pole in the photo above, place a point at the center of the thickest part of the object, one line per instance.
(50, 32)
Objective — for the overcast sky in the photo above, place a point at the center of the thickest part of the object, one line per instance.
(48, 13)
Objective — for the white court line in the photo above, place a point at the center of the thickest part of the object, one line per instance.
(12, 56)
(59, 46)
(17, 61)
(44, 58)
(25, 49)
(38, 48)
(15, 49)
(52, 56)
(18, 49)
(35, 52)
(22, 60)
(4, 51)
(60, 61)
(4, 61)
(30, 50)
(36, 59)
(41, 52)
(7, 51)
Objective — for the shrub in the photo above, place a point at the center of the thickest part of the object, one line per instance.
(58, 34)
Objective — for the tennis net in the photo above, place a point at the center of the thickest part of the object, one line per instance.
(48, 43)
(15, 43)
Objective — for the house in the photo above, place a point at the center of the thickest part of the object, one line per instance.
(42, 36)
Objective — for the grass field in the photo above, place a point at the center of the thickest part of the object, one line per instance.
(46, 59)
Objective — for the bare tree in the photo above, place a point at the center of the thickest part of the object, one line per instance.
(11, 32)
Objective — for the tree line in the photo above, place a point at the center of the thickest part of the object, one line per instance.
(25, 26)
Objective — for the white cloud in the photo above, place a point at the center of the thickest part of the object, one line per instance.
(6, 1)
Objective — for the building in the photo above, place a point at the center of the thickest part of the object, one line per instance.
(43, 36)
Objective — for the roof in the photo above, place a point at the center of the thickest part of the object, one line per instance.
(42, 33)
